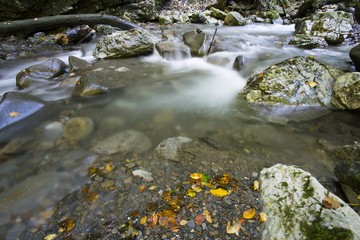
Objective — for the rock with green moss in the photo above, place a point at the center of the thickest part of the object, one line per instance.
(346, 91)
(295, 81)
(270, 15)
(349, 173)
(218, 14)
(124, 44)
(234, 19)
(333, 26)
(292, 200)
(198, 17)
(348, 153)
(308, 42)
(355, 56)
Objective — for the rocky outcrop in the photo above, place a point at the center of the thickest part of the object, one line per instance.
(234, 19)
(295, 81)
(346, 91)
(355, 56)
(43, 72)
(299, 207)
(308, 42)
(349, 174)
(333, 26)
(218, 14)
(198, 42)
(123, 44)
(78, 64)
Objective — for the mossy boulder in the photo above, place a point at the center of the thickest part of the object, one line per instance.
(348, 153)
(346, 91)
(355, 56)
(307, 42)
(217, 13)
(349, 173)
(333, 26)
(198, 17)
(234, 19)
(124, 44)
(295, 81)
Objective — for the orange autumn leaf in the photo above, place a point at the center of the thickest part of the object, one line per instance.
(175, 229)
(152, 220)
(85, 189)
(92, 196)
(261, 74)
(199, 219)
(241, 220)
(134, 213)
(14, 114)
(142, 189)
(330, 202)
(256, 185)
(207, 216)
(219, 192)
(67, 225)
(249, 213)
(196, 175)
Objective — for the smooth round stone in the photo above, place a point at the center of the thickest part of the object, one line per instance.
(78, 128)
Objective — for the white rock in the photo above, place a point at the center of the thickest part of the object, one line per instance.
(168, 148)
(291, 196)
(144, 174)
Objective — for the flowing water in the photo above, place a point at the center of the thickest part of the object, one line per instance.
(192, 97)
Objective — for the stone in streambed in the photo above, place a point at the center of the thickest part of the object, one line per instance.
(78, 64)
(234, 19)
(218, 14)
(78, 128)
(349, 173)
(173, 50)
(307, 42)
(198, 42)
(125, 141)
(169, 148)
(355, 56)
(346, 91)
(43, 72)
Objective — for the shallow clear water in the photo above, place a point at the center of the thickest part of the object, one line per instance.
(193, 97)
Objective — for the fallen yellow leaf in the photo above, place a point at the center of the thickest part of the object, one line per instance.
(153, 187)
(50, 237)
(14, 114)
(108, 167)
(268, 204)
(263, 217)
(143, 220)
(330, 202)
(191, 193)
(234, 228)
(207, 216)
(261, 74)
(183, 222)
(219, 192)
(311, 56)
(249, 213)
(196, 175)
(256, 185)
(196, 187)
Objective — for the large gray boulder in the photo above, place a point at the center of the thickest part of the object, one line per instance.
(40, 73)
(308, 42)
(346, 91)
(124, 44)
(333, 26)
(355, 56)
(234, 19)
(294, 202)
(198, 42)
(295, 81)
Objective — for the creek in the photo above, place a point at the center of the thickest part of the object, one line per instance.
(192, 97)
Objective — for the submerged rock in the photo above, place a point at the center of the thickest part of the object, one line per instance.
(349, 173)
(123, 44)
(333, 26)
(234, 19)
(355, 56)
(126, 141)
(308, 42)
(198, 42)
(346, 91)
(173, 50)
(43, 72)
(169, 148)
(78, 128)
(295, 81)
(292, 200)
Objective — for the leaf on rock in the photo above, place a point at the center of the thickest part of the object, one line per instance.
(108, 167)
(263, 217)
(311, 84)
(231, 229)
(330, 202)
(261, 74)
(14, 114)
(249, 213)
(196, 187)
(92, 196)
(199, 219)
(142, 189)
(143, 220)
(191, 193)
(219, 192)
(207, 216)
(153, 187)
(67, 225)
(183, 222)
(196, 175)
(241, 220)
(256, 185)
(152, 220)
(205, 178)
(50, 237)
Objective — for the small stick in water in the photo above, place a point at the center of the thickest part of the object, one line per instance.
(212, 42)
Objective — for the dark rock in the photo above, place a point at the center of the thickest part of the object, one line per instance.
(239, 62)
(198, 42)
(308, 42)
(198, 18)
(43, 72)
(348, 153)
(123, 44)
(355, 56)
(357, 12)
(173, 50)
(74, 35)
(346, 91)
(78, 64)
(234, 19)
(218, 14)
(349, 174)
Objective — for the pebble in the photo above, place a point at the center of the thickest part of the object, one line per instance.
(214, 233)
(78, 128)
(191, 224)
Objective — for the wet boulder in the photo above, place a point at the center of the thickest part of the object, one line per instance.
(346, 91)
(40, 73)
(169, 148)
(165, 20)
(198, 17)
(239, 62)
(218, 14)
(348, 153)
(125, 141)
(355, 56)
(78, 64)
(349, 174)
(234, 19)
(269, 16)
(75, 35)
(333, 26)
(298, 209)
(173, 50)
(295, 81)
(307, 42)
(124, 44)
(198, 42)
